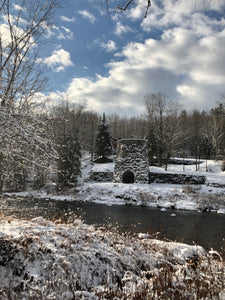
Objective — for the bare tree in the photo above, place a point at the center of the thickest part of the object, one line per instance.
(172, 131)
(156, 109)
(183, 143)
(217, 127)
(22, 24)
(162, 116)
(195, 135)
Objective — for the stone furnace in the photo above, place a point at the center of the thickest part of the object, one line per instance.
(131, 165)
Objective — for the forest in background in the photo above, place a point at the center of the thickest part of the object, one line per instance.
(51, 147)
(41, 146)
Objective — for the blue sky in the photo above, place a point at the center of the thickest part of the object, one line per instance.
(111, 61)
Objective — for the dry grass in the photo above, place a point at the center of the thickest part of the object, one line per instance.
(198, 277)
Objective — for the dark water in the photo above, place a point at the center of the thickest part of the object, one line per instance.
(205, 229)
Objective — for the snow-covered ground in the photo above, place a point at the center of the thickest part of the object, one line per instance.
(186, 197)
(40, 259)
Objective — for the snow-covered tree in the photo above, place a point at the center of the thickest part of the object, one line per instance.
(22, 25)
(67, 137)
(69, 160)
(25, 143)
(22, 78)
(103, 145)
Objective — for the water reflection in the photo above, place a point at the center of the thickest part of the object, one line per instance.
(206, 229)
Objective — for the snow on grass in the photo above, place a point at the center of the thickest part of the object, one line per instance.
(107, 167)
(190, 197)
(210, 169)
(186, 197)
(207, 167)
(40, 259)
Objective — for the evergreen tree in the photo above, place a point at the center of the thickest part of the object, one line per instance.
(66, 132)
(69, 160)
(103, 145)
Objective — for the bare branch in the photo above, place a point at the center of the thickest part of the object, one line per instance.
(23, 141)
(148, 5)
(126, 6)
(18, 50)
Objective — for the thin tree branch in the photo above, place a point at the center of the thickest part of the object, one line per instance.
(129, 2)
(148, 5)
(126, 6)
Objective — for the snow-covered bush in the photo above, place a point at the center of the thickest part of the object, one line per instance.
(191, 189)
(40, 259)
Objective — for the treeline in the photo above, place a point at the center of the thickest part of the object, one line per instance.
(47, 148)
(170, 131)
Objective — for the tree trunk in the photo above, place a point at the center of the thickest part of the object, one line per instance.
(1, 173)
(167, 160)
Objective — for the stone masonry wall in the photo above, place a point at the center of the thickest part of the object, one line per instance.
(102, 176)
(172, 178)
(131, 158)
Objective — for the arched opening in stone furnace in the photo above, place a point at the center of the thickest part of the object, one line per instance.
(128, 177)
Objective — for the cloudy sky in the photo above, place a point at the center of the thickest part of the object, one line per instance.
(111, 61)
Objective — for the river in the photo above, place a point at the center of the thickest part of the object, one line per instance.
(205, 229)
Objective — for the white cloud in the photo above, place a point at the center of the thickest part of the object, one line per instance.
(17, 7)
(138, 11)
(68, 34)
(59, 60)
(5, 34)
(183, 13)
(171, 65)
(120, 28)
(18, 32)
(186, 90)
(66, 19)
(61, 33)
(187, 63)
(87, 15)
(49, 30)
(109, 46)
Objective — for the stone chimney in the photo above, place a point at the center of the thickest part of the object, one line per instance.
(131, 165)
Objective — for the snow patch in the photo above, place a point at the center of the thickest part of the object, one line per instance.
(46, 260)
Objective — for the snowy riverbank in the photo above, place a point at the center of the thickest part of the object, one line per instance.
(208, 197)
(40, 259)
(189, 197)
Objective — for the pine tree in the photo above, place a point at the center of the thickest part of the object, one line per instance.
(69, 160)
(66, 132)
(103, 145)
